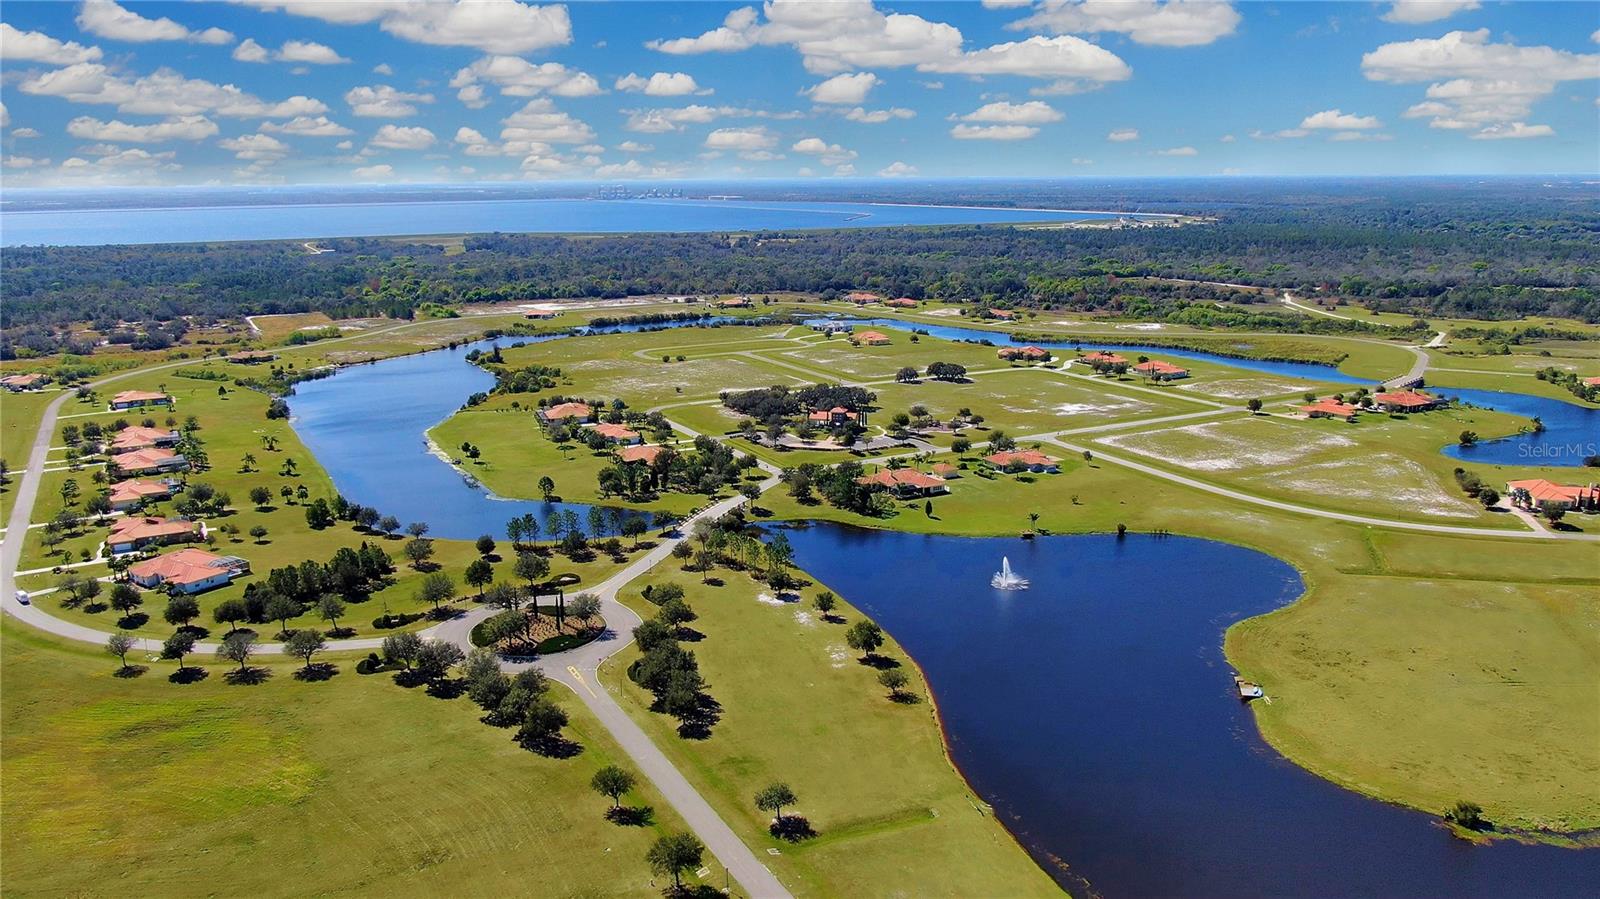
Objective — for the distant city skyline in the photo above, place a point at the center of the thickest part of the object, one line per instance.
(305, 92)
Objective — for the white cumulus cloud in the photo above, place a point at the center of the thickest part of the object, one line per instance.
(744, 139)
(516, 77)
(192, 127)
(401, 137)
(897, 169)
(1178, 151)
(1033, 112)
(843, 89)
(493, 26)
(1337, 120)
(993, 132)
(108, 20)
(1418, 12)
(1172, 23)
(661, 84)
(163, 92)
(255, 147)
(383, 101)
(1123, 135)
(829, 154)
(308, 126)
(36, 46)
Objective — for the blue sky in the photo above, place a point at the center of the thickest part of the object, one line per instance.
(302, 91)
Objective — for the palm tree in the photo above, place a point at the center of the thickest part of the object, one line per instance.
(1033, 521)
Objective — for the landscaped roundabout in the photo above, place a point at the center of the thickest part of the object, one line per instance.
(727, 617)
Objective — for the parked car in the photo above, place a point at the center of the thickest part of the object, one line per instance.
(22, 597)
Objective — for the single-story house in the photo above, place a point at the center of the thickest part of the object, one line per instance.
(251, 357)
(836, 416)
(946, 470)
(1024, 354)
(1530, 494)
(138, 399)
(139, 531)
(1002, 314)
(641, 453)
(1033, 460)
(1099, 357)
(138, 437)
(1406, 401)
(188, 570)
(1592, 382)
(617, 433)
(130, 494)
(862, 297)
(31, 381)
(1328, 407)
(736, 303)
(904, 483)
(828, 326)
(1161, 371)
(870, 338)
(560, 412)
(540, 314)
(901, 303)
(153, 460)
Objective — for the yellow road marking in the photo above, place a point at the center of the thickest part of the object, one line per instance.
(572, 670)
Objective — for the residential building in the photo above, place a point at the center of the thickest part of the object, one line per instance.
(540, 314)
(828, 326)
(1002, 314)
(1099, 357)
(138, 399)
(946, 470)
(904, 483)
(901, 303)
(31, 381)
(1405, 401)
(188, 570)
(1592, 382)
(1328, 407)
(1530, 494)
(153, 460)
(862, 297)
(137, 437)
(1024, 354)
(639, 453)
(1032, 460)
(139, 531)
(571, 411)
(251, 357)
(617, 433)
(736, 303)
(1161, 371)
(130, 494)
(870, 338)
(836, 416)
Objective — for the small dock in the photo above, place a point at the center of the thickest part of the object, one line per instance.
(1248, 690)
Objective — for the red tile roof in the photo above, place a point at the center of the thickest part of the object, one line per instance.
(1024, 352)
(139, 527)
(137, 489)
(140, 396)
(862, 296)
(615, 432)
(1330, 406)
(871, 337)
(1406, 399)
(1595, 381)
(138, 437)
(27, 380)
(1026, 457)
(1098, 356)
(144, 459)
(642, 453)
(186, 566)
(1157, 367)
(568, 410)
(946, 470)
(1542, 490)
(901, 302)
(907, 477)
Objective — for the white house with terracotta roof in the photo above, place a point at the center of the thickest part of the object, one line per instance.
(736, 303)
(836, 417)
(641, 454)
(138, 531)
(1532, 493)
(152, 460)
(190, 570)
(138, 399)
(1099, 357)
(137, 437)
(1592, 382)
(1405, 401)
(131, 494)
(617, 433)
(1002, 314)
(901, 303)
(1024, 354)
(1030, 460)
(1157, 370)
(562, 412)
(31, 381)
(870, 338)
(904, 483)
(862, 297)
(1328, 407)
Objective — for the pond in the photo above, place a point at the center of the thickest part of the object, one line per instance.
(1096, 713)
(1571, 432)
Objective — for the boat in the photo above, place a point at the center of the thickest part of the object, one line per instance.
(1248, 690)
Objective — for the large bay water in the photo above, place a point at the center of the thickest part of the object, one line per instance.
(186, 224)
(1096, 713)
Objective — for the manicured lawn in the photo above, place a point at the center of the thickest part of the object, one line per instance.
(19, 422)
(348, 786)
(516, 453)
(893, 816)
(1022, 401)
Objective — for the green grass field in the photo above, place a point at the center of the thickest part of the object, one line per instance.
(893, 816)
(345, 787)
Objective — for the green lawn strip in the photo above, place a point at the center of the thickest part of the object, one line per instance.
(340, 787)
(516, 454)
(892, 814)
(19, 422)
(1022, 401)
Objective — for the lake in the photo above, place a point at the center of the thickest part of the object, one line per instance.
(273, 221)
(1096, 713)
